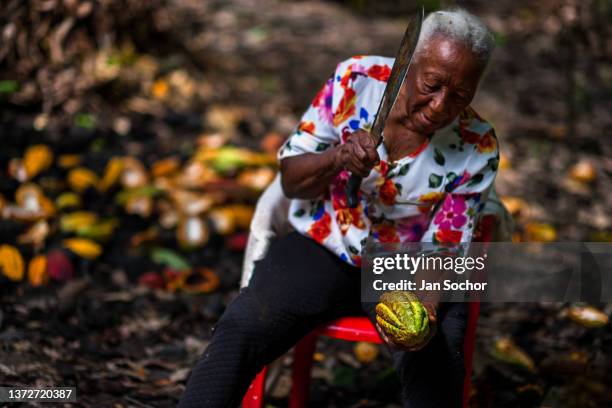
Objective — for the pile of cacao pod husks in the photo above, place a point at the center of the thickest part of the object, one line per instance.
(60, 213)
(116, 153)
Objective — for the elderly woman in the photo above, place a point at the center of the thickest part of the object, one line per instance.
(427, 182)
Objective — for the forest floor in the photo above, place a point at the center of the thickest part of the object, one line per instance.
(246, 70)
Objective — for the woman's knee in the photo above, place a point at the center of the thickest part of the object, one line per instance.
(242, 320)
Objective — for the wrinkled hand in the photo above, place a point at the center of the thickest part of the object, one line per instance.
(358, 155)
(433, 320)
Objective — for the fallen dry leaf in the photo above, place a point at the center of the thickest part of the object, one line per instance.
(506, 350)
(583, 171)
(515, 206)
(587, 316)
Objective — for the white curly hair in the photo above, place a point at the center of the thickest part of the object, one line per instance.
(461, 26)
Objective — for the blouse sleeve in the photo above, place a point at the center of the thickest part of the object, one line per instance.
(455, 217)
(315, 131)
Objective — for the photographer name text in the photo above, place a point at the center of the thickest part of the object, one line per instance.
(445, 285)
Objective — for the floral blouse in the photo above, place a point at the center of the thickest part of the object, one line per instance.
(432, 195)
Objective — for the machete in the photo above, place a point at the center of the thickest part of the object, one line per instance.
(396, 79)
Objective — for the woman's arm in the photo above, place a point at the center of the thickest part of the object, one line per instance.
(309, 174)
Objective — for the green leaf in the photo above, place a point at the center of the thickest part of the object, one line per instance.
(322, 146)
(169, 258)
(476, 178)
(8, 86)
(299, 212)
(439, 157)
(435, 180)
(398, 187)
(404, 169)
(85, 121)
(353, 250)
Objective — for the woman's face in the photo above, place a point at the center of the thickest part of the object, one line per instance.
(439, 84)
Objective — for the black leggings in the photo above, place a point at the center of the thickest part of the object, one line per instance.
(295, 288)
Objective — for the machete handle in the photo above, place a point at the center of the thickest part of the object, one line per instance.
(352, 188)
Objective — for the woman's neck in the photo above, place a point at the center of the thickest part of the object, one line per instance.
(399, 139)
(400, 142)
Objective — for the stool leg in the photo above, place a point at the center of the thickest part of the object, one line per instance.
(302, 365)
(469, 343)
(255, 394)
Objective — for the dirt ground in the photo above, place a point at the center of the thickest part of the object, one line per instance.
(247, 69)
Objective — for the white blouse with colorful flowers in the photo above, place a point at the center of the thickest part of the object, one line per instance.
(432, 195)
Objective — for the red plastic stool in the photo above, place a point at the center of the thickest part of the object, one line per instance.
(351, 329)
(359, 328)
